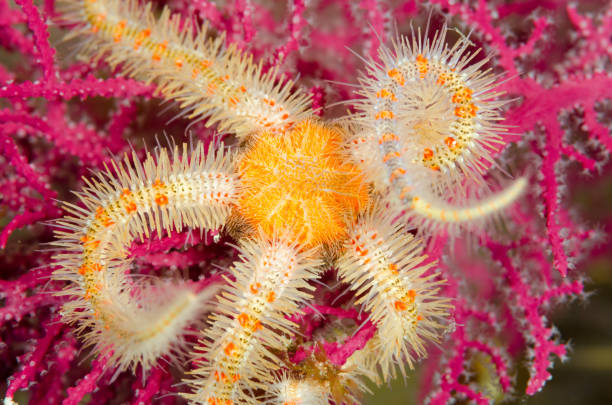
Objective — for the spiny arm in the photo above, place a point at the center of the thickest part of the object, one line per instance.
(291, 391)
(139, 321)
(431, 213)
(384, 267)
(430, 105)
(201, 74)
(429, 120)
(270, 283)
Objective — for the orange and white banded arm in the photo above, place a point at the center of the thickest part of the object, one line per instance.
(139, 321)
(303, 391)
(271, 282)
(431, 213)
(430, 119)
(383, 265)
(207, 79)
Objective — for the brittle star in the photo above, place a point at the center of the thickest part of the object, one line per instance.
(299, 191)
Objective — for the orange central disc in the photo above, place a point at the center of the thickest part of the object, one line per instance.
(300, 183)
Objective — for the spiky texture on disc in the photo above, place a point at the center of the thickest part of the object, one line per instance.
(302, 182)
(205, 77)
(138, 321)
(384, 266)
(271, 282)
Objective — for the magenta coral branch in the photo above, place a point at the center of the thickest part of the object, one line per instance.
(41, 39)
(32, 362)
(296, 24)
(240, 27)
(21, 166)
(565, 290)
(377, 34)
(550, 184)
(208, 11)
(571, 152)
(145, 394)
(599, 42)
(65, 351)
(83, 88)
(337, 352)
(120, 121)
(597, 129)
(539, 337)
(19, 221)
(68, 137)
(88, 383)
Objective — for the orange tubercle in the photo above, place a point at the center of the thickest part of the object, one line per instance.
(243, 319)
(229, 348)
(397, 76)
(161, 199)
(400, 306)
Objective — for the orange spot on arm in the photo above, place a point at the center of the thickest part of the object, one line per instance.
(229, 348)
(385, 114)
(144, 34)
(397, 173)
(411, 295)
(131, 207)
(390, 155)
(159, 50)
(161, 199)
(388, 138)
(400, 305)
(397, 76)
(243, 319)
